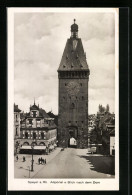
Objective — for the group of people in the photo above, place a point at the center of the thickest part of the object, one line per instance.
(41, 161)
(24, 159)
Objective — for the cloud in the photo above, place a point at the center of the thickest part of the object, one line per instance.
(39, 41)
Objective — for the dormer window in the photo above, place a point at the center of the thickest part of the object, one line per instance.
(75, 44)
(34, 113)
(73, 105)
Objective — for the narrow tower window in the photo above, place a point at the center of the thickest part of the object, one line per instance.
(73, 105)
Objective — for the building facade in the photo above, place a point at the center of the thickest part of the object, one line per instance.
(37, 128)
(73, 74)
(112, 142)
(16, 121)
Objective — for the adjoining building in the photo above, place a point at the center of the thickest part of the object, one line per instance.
(106, 125)
(112, 142)
(37, 129)
(16, 121)
(17, 112)
(73, 74)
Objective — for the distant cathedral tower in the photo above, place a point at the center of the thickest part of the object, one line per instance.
(73, 74)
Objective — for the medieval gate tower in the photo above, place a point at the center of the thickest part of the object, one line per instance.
(73, 74)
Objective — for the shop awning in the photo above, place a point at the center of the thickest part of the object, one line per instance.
(35, 147)
(26, 147)
(39, 147)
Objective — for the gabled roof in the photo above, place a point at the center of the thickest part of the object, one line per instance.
(51, 115)
(16, 109)
(34, 107)
(112, 132)
(73, 58)
(43, 113)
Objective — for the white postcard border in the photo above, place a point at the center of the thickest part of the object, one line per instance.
(63, 184)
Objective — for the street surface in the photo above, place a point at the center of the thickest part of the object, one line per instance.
(21, 169)
(76, 163)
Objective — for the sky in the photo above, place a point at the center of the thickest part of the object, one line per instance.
(39, 42)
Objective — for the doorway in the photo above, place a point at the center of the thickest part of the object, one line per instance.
(72, 143)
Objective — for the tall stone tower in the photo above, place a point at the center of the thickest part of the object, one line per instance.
(73, 74)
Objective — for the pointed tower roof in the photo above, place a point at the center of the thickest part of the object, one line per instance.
(74, 57)
(34, 107)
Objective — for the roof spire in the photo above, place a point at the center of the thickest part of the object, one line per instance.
(74, 29)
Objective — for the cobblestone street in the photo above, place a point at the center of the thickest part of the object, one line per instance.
(70, 163)
(76, 163)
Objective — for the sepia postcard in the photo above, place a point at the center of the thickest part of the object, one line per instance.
(63, 99)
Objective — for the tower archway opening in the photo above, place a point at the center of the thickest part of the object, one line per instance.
(72, 143)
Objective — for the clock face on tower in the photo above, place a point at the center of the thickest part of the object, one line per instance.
(73, 88)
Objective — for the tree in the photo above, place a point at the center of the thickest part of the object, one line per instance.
(107, 108)
(99, 107)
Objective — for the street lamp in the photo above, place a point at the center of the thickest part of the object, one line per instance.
(32, 146)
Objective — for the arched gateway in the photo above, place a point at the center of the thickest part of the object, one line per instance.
(73, 74)
(72, 142)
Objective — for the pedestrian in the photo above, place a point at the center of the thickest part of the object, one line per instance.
(45, 161)
(17, 157)
(23, 158)
(38, 160)
(41, 160)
